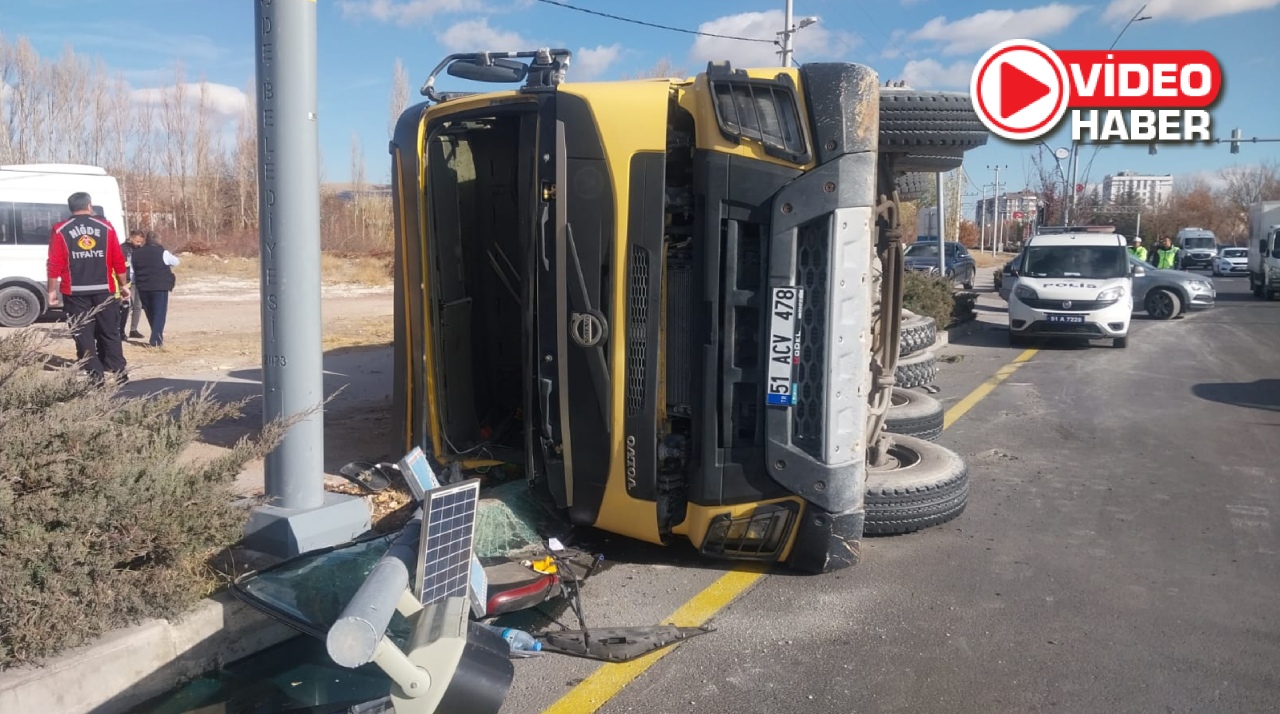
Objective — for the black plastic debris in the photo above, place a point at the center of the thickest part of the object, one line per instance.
(617, 644)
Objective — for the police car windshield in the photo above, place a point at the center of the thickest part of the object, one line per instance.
(1096, 262)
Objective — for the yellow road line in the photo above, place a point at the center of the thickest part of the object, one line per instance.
(604, 684)
(963, 406)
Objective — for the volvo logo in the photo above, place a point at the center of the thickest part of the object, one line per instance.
(631, 462)
(1066, 304)
(588, 329)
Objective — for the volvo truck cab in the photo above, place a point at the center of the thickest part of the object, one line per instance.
(674, 304)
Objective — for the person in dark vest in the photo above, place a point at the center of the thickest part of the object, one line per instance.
(134, 313)
(86, 271)
(153, 278)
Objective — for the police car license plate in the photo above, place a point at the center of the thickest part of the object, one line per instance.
(784, 346)
(1072, 319)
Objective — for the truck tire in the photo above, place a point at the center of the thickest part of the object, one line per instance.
(928, 131)
(926, 485)
(917, 370)
(919, 332)
(914, 414)
(914, 186)
(19, 306)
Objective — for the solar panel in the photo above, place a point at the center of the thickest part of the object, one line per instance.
(448, 531)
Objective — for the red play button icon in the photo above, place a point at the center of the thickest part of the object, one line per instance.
(1019, 90)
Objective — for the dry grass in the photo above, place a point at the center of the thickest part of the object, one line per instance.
(334, 269)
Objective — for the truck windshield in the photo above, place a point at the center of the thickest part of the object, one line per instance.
(1098, 262)
(1198, 242)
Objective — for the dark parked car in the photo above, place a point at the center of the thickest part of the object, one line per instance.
(922, 257)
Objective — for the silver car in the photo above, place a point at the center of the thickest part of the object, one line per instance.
(1163, 294)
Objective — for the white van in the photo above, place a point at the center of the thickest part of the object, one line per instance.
(33, 197)
(1199, 246)
(1073, 285)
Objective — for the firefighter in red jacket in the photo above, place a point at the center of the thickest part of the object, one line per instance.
(86, 271)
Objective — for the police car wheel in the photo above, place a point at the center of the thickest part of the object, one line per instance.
(923, 485)
(914, 414)
(19, 306)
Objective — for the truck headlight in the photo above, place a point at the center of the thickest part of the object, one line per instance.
(1025, 293)
(1111, 294)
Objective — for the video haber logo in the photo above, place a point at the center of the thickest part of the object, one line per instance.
(1021, 90)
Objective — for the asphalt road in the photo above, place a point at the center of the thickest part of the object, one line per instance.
(1120, 552)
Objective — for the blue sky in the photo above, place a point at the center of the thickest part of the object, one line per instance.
(930, 43)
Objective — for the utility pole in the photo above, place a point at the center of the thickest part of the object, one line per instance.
(995, 238)
(299, 516)
(982, 221)
(941, 179)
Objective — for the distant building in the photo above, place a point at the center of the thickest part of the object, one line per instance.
(1016, 206)
(1151, 190)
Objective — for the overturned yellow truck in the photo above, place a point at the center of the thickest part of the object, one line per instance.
(673, 304)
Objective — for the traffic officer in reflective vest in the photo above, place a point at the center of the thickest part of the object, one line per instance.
(86, 270)
(1167, 255)
(1137, 251)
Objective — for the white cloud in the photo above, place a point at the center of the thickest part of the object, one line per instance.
(812, 43)
(1189, 10)
(478, 36)
(979, 32)
(5, 91)
(590, 63)
(403, 12)
(223, 99)
(932, 74)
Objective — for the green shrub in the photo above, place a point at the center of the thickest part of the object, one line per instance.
(101, 523)
(929, 295)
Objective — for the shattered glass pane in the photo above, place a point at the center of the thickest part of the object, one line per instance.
(309, 591)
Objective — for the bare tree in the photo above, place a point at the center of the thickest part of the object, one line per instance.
(175, 122)
(661, 69)
(246, 165)
(399, 96)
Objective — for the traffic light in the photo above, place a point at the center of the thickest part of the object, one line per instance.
(1235, 140)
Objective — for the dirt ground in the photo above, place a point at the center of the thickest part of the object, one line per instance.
(213, 338)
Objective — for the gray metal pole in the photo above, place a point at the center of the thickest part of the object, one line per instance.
(289, 231)
(787, 32)
(941, 179)
(982, 223)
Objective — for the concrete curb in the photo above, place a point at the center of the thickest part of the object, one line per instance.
(126, 667)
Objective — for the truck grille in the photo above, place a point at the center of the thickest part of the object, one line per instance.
(679, 334)
(637, 329)
(813, 249)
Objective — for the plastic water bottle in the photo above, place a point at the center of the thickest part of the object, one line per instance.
(517, 640)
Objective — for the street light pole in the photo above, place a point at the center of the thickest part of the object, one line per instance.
(1075, 145)
(299, 515)
(787, 32)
